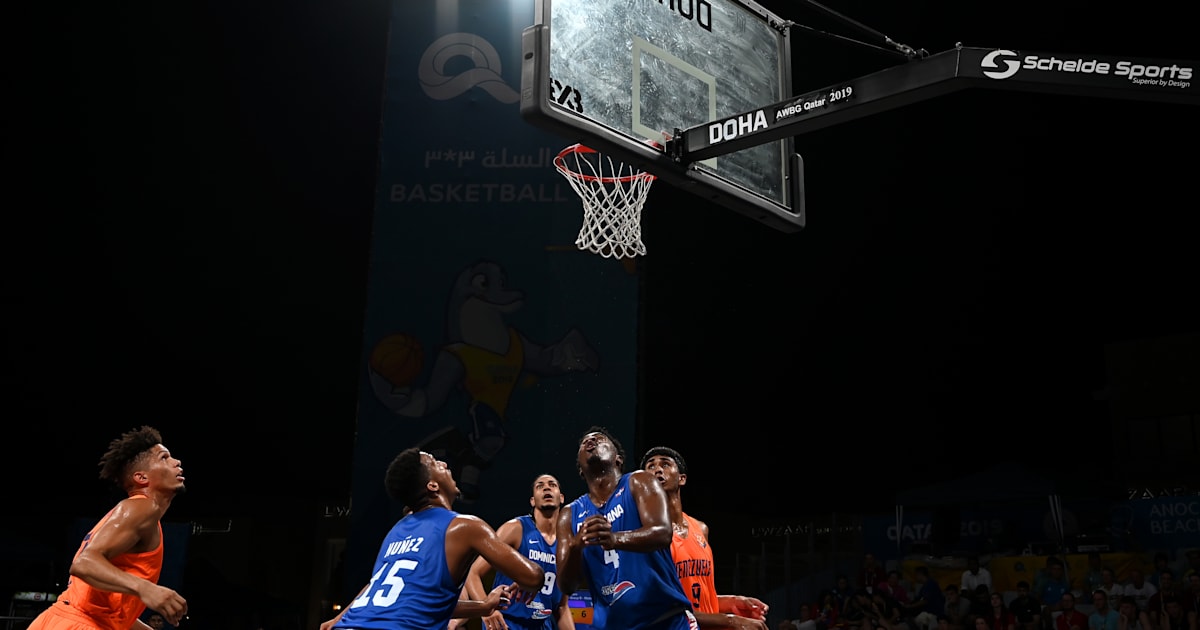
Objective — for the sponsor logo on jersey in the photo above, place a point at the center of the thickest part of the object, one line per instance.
(616, 591)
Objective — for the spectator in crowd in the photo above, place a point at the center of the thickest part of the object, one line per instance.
(981, 602)
(1095, 567)
(999, 617)
(975, 575)
(1162, 562)
(887, 612)
(1193, 563)
(1140, 589)
(1104, 617)
(1069, 618)
(1026, 608)
(805, 621)
(927, 603)
(827, 612)
(1168, 591)
(958, 610)
(1175, 617)
(842, 591)
(893, 587)
(1131, 617)
(858, 613)
(1194, 592)
(872, 573)
(1108, 584)
(1053, 586)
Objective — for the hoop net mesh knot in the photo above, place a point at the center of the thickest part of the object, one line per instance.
(613, 195)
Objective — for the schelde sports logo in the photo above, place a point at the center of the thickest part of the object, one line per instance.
(615, 591)
(1000, 64)
(484, 71)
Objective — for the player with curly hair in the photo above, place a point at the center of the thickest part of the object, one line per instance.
(114, 574)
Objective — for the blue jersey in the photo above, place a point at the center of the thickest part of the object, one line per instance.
(630, 590)
(411, 587)
(538, 613)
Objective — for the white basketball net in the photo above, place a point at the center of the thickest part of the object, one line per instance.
(613, 195)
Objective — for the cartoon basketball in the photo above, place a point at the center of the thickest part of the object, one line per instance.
(397, 358)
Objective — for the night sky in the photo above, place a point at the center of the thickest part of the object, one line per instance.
(189, 222)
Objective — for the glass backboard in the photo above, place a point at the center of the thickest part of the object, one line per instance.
(622, 75)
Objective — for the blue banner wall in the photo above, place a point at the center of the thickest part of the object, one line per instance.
(489, 339)
(1164, 523)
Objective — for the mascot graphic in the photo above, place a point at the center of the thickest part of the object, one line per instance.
(485, 358)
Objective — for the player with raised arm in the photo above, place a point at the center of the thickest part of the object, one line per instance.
(534, 536)
(693, 555)
(424, 559)
(617, 536)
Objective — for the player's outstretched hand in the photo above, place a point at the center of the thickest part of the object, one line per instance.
(746, 623)
(749, 607)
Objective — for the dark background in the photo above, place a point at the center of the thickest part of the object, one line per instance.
(189, 219)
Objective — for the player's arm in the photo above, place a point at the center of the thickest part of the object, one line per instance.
(328, 625)
(742, 606)
(651, 500)
(468, 536)
(734, 611)
(510, 533)
(131, 522)
(562, 614)
(495, 601)
(728, 620)
(568, 552)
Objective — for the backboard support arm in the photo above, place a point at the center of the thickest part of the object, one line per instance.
(1167, 81)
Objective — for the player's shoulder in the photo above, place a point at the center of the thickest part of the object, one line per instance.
(641, 477)
(136, 508)
(468, 522)
(698, 524)
(515, 524)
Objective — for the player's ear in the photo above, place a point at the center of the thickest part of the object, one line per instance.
(682, 479)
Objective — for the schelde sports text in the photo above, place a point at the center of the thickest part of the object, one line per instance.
(1129, 69)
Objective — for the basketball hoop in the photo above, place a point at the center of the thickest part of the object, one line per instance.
(613, 195)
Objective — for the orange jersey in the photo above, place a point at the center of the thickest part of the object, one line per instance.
(81, 604)
(694, 564)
